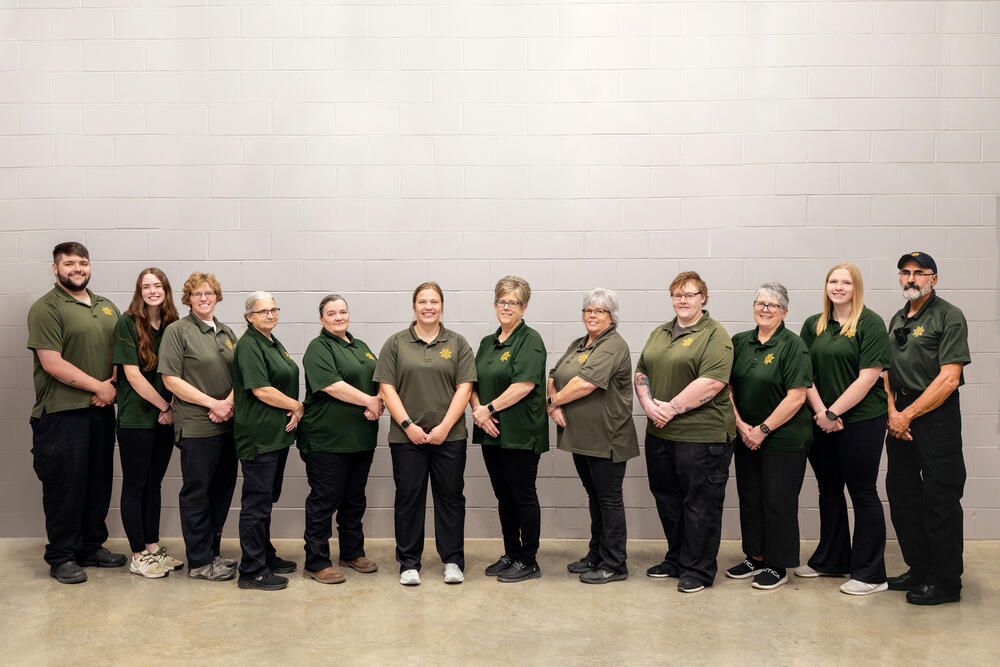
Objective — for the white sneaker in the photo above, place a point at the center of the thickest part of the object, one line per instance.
(453, 574)
(147, 565)
(409, 578)
(808, 572)
(855, 587)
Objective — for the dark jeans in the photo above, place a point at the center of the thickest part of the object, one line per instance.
(512, 474)
(925, 481)
(262, 479)
(337, 484)
(73, 454)
(688, 481)
(208, 466)
(145, 454)
(768, 484)
(850, 458)
(602, 479)
(445, 465)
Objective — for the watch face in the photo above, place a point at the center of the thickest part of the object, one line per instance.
(764, 429)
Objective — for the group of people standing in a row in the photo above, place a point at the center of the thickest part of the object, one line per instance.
(776, 399)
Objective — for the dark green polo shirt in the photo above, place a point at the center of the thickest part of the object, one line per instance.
(599, 424)
(520, 358)
(938, 335)
(134, 411)
(425, 377)
(704, 350)
(202, 357)
(82, 334)
(837, 360)
(259, 428)
(763, 373)
(330, 424)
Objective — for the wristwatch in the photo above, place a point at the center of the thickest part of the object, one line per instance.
(551, 402)
(405, 424)
(765, 429)
(489, 406)
(832, 416)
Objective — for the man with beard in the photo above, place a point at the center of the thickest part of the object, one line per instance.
(926, 472)
(71, 332)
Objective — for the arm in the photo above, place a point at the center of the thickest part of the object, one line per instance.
(742, 427)
(276, 399)
(856, 390)
(347, 393)
(784, 411)
(511, 395)
(394, 405)
(142, 387)
(455, 411)
(555, 412)
(575, 389)
(649, 406)
(934, 395)
(901, 435)
(53, 363)
(698, 392)
(218, 410)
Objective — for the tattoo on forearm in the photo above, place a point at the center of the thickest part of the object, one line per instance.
(641, 380)
(678, 408)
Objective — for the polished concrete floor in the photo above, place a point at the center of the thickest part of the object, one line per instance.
(118, 618)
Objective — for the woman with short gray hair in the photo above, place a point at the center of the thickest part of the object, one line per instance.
(590, 400)
(267, 410)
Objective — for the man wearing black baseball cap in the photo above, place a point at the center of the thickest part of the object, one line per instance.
(925, 477)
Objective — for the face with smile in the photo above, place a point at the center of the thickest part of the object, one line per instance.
(596, 319)
(336, 318)
(916, 287)
(688, 301)
(509, 310)
(203, 300)
(72, 272)
(264, 316)
(152, 291)
(767, 312)
(840, 288)
(428, 308)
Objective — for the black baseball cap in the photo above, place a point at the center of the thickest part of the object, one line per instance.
(921, 258)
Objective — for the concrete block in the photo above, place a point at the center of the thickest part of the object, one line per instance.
(454, 86)
(773, 147)
(50, 182)
(240, 53)
(370, 53)
(277, 21)
(49, 118)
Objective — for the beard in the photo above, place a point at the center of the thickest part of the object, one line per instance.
(914, 293)
(68, 283)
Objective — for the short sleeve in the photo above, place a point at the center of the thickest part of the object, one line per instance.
(808, 332)
(386, 370)
(249, 359)
(600, 365)
(796, 366)
(466, 366)
(954, 347)
(717, 362)
(320, 365)
(873, 342)
(126, 348)
(528, 365)
(171, 356)
(44, 328)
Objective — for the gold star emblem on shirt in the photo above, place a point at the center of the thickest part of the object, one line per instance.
(849, 334)
(107, 311)
(370, 356)
(769, 358)
(505, 356)
(918, 332)
(582, 358)
(288, 355)
(229, 344)
(687, 342)
(446, 353)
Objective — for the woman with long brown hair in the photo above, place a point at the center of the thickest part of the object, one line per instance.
(145, 420)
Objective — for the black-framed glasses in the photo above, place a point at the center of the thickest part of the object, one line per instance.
(595, 311)
(767, 307)
(266, 312)
(503, 303)
(905, 273)
(686, 295)
(901, 333)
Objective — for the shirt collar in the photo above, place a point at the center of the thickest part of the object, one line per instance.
(204, 327)
(906, 308)
(337, 339)
(510, 339)
(582, 343)
(442, 336)
(66, 296)
(261, 337)
(773, 340)
(697, 326)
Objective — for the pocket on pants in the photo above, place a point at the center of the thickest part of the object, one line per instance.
(719, 457)
(49, 462)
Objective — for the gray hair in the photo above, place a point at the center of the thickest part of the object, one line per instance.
(606, 299)
(776, 290)
(330, 298)
(253, 299)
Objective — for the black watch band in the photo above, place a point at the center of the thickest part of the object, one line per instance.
(405, 424)
(832, 416)
(551, 402)
(489, 406)
(765, 429)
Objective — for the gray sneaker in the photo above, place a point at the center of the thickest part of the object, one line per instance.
(213, 572)
(228, 563)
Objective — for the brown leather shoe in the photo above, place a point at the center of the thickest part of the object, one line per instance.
(328, 575)
(361, 564)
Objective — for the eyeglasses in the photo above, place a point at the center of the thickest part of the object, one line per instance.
(502, 303)
(686, 295)
(198, 295)
(595, 311)
(267, 312)
(916, 274)
(767, 307)
(901, 333)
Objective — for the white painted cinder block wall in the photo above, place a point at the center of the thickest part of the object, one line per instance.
(362, 147)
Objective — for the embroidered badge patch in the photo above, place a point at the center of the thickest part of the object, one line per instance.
(582, 358)
(769, 358)
(229, 344)
(918, 332)
(505, 356)
(370, 356)
(107, 311)
(687, 342)
(446, 353)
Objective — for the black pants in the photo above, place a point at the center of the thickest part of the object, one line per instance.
(445, 465)
(602, 479)
(262, 479)
(850, 458)
(512, 474)
(73, 456)
(768, 484)
(145, 454)
(337, 484)
(688, 481)
(925, 481)
(208, 466)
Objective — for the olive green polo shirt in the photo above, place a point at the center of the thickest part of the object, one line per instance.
(763, 374)
(203, 357)
(134, 411)
(259, 428)
(520, 358)
(671, 363)
(599, 424)
(330, 424)
(426, 376)
(82, 334)
(837, 361)
(938, 335)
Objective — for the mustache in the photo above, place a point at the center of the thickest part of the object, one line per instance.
(911, 286)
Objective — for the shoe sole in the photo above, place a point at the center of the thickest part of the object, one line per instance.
(514, 580)
(580, 570)
(770, 587)
(222, 578)
(617, 577)
(283, 570)
(410, 583)
(454, 581)
(306, 574)
(102, 564)
(934, 601)
(247, 586)
(362, 570)
(878, 589)
(743, 576)
(70, 580)
(149, 576)
(814, 574)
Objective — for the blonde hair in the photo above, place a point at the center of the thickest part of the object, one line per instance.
(516, 284)
(196, 279)
(850, 327)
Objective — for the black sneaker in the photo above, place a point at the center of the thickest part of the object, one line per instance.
(263, 582)
(103, 558)
(906, 581)
(689, 585)
(502, 564)
(662, 570)
(582, 565)
(770, 577)
(280, 565)
(68, 573)
(518, 571)
(602, 576)
(747, 568)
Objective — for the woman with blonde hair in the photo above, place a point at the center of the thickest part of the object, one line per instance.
(849, 348)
